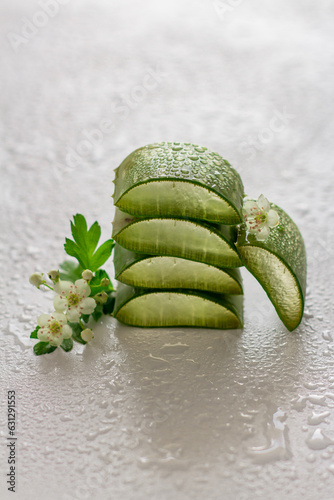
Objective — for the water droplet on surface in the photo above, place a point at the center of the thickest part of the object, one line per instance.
(326, 335)
(299, 403)
(66, 418)
(20, 338)
(90, 436)
(317, 418)
(311, 458)
(317, 400)
(277, 448)
(156, 362)
(174, 348)
(310, 385)
(111, 414)
(318, 440)
(29, 307)
(24, 318)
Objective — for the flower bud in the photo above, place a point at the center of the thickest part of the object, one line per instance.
(54, 275)
(87, 275)
(87, 335)
(36, 279)
(101, 298)
(105, 282)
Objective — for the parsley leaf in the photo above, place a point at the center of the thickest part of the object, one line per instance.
(108, 307)
(98, 312)
(33, 334)
(76, 328)
(67, 345)
(83, 248)
(70, 271)
(44, 348)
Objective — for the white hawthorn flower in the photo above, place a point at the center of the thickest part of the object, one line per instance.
(36, 279)
(53, 328)
(73, 299)
(87, 335)
(259, 217)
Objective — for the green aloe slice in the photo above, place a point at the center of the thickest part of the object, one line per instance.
(164, 271)
(187, 239)
(179, 180)
(279, 264)
(163, 308)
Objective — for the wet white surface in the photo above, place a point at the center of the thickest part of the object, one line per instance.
(166, 413)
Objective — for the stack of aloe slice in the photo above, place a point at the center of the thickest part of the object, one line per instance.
(180, 240)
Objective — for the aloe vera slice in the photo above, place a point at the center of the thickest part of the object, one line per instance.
(163, 271)
(163, 308)
(187, 239)
(279, 264)
(179, 180)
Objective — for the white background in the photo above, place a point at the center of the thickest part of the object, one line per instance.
(168, 413)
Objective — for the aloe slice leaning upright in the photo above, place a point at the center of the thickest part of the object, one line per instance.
(279, 264)
(172, 179)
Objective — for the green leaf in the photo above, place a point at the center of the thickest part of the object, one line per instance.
(72, 271)
(33, 334)
(76, 328)
(102, 254)
(85, 243)
(67, 345)
(44, 348)
(86, 240)
(108, 307)
(78, 226)
(85, 317)
(98, 312)
(95, 286)
(73, 249)
(94, 235)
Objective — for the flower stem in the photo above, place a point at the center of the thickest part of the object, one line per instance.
(48, 286)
